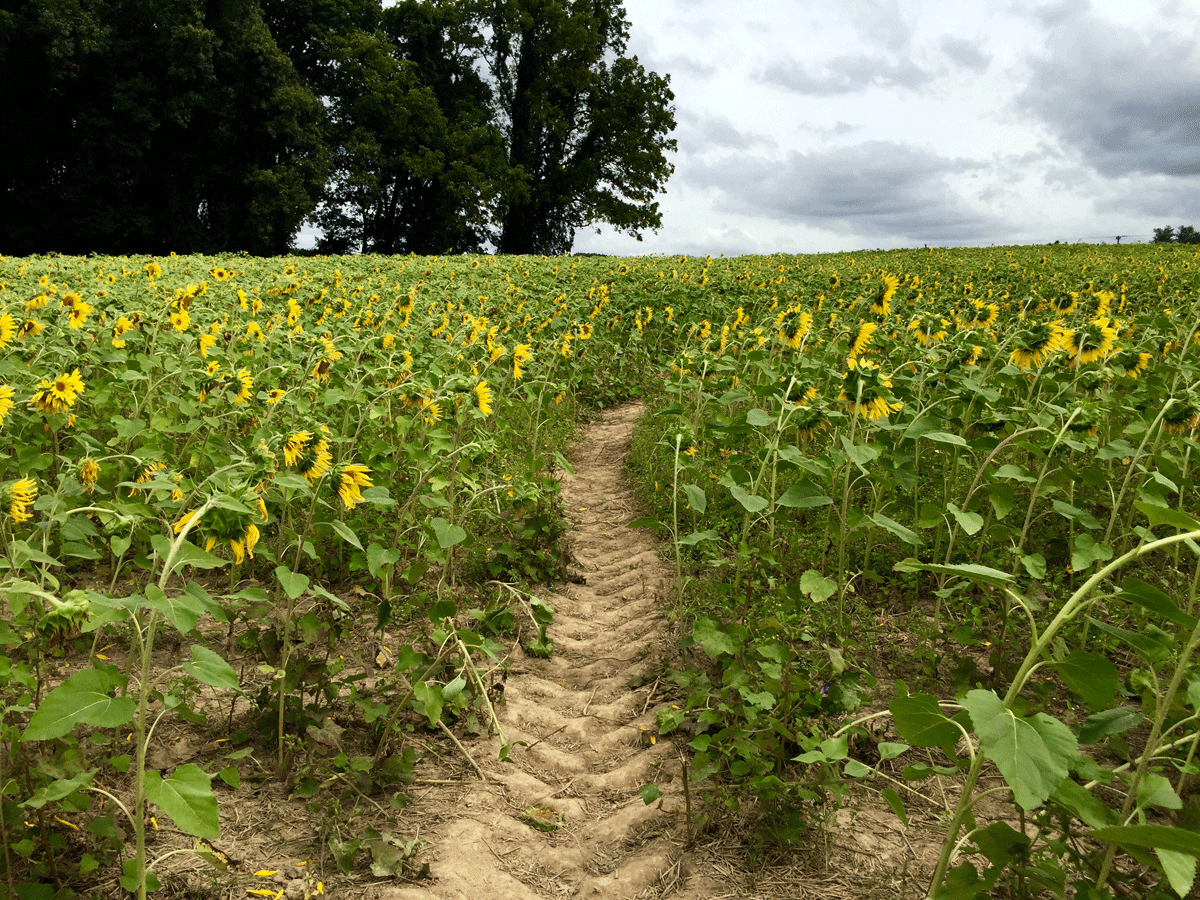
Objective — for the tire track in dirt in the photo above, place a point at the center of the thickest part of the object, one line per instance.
(586, 725)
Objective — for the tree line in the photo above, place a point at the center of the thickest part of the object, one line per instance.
(1168, 235)
(429, 126)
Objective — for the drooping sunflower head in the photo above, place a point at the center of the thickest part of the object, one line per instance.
(58, 395)
(928, 329)
(866, 392)
(296, 443)
(483, 397)
(315, 460)
(351, 479)
(859, 338)
(8, 329)
(18, 497)
(793, 325)
(1035, 343)
(1183, 416)
(89, 471)
(1132, 362)
(881, 297)
(1091, 342)
(6, 400)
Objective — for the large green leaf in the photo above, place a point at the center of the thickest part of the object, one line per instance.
(969, 522)
(182, 611)
(187, 554)
(209, 668)
(750, 502)
(1157, 837)
(972, 571)
(447, 535)
(1151, 598)
(921, 722)
(1107, 722)
(803, 495)
(346, 532)
(695, 498)
(187, 797)
(1164, 515)
(1091, 676)
(905, 534)
(293, 583)
(83, 699)
(58, 789)
(1033, 754)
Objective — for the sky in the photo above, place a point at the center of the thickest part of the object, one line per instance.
(808, 126)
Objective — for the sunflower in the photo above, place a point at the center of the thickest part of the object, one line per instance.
(1035, 344)
(153, 270)
(19, 496)
(30, 327)
(1065, 304)
(321, 370)
(809, 420)
(860, 339)
(1132, 362)
(800, 393)
(315, 460)
(246, 390)
(928, 329)
(207, 342)
(122, 328)
(6, 400)
(180, 320)
(275, 396)
(222, 525)
(8, 330)
(882, 298)
(521, 355)
(295, 445)
(483, 395)
(792, 325)
(219, 274)
(1091, 342)
(79, 313)
(58, 395)
(1183, 416)
(865, 392)
(350, 481)
(89, 471)
(980, 315)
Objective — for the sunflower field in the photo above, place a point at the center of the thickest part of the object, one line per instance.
(929, 510)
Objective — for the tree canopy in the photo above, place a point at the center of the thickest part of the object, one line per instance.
(430, 126)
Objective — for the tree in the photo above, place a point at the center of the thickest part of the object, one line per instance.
(153, 125)
(1164, 235)
(585, 126)
(1187, 234)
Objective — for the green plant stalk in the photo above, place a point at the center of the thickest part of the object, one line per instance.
(1129, 470)
(675, 524)
(843, 581)
(1078, 601)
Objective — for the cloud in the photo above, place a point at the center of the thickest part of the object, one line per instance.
(845, 75)
(1127, 102)
(878, 189)
(701, 132)
(964, 53)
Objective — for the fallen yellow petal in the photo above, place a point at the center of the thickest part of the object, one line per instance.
(265, 873)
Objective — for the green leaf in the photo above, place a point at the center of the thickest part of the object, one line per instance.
(454, 687)
(969, 522)
(803, 495)
(1151, 598)
(1035, 565)
(921, 722)
(897, 805)
(1108, 722)
(1152, 645)
(699, 537)
(905, 534)
(1000, 843)
(1156, 791)
(1074, 513)
(1002, 498)
(695, 498)
(378, 557)
(759, 418)
(1093, 677)
(712, 639)
(183, 611)
(211, 669)
(890, 750)
(1088, 550)
(649, 793)
(860, 454)
(945, 437)
(1164, 515)
(293, 583)
(1156, 837)
(1015, 473)
(80, 700)
(1180, 869)
(1079, 800)
(971, 571)
(187, 797)
(1034, 754)
(187, 554)
(448, 535)
(346, 532)
(750, 502)
(58, 789)
(429, 696)
(817, 586)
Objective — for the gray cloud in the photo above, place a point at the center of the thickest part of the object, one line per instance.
(701, 132)
(845, 75)
(964, 53)
(1128, 102)
(879, 189)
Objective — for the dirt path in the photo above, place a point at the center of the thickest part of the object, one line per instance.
(586, 716)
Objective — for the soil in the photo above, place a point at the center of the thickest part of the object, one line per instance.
(583, 723)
